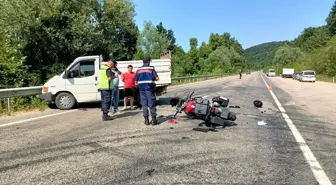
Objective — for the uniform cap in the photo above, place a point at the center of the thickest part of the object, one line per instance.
(146, 59)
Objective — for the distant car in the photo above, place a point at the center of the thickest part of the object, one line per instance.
(271, 73)
(307, 76)
(248, 73)
(296, 75)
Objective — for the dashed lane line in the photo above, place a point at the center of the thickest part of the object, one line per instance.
(315, 166)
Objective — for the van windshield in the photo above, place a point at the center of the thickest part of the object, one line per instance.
(272, 71)
(309, 73)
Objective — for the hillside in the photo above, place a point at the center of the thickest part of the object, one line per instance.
(261, 55)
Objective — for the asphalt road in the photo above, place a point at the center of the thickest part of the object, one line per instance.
(78, 148)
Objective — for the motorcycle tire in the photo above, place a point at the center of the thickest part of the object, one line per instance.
(232, 116)
(257, 103)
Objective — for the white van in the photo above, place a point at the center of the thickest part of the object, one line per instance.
(79, 82)
(271, 72)
(307, 76)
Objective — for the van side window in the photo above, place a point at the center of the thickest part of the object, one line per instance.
(83, 69)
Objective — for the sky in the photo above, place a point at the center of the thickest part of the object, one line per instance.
(251, 22)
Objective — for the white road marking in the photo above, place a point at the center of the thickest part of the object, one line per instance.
(315, 166)
(37, 118)
(205, 96)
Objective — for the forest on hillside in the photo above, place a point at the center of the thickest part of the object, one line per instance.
(313, 49)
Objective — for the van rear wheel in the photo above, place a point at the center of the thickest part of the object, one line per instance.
(65, 101)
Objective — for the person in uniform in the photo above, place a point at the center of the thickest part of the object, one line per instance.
(145, 78)
(105, 86)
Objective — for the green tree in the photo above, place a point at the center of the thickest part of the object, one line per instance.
(11, 63)
(169, 34)
(324, 59)
(312, 38)
(331, 20)
(53, 33)
(151, 41)
(204, 50)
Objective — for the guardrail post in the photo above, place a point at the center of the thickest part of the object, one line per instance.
(8, 105)
(333, 79)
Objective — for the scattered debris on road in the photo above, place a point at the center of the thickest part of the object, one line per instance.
(205, 129)
(309, 139)
(234, 106)
(149, 172)
(185, 137)
(258, 103)
(172, 121)
(262, 122)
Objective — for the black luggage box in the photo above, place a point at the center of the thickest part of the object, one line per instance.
(202, 106)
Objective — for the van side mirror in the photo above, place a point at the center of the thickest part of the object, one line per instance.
(66, 73)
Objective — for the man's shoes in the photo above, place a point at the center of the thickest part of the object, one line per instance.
(146, 120)
(106, 117)
(154, 121)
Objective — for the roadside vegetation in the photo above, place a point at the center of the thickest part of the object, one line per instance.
(39, 38)
(313, 49)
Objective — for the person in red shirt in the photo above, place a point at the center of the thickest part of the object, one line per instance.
(129, 86)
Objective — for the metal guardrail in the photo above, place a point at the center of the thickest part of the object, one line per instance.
(22, 91)
(30, 91)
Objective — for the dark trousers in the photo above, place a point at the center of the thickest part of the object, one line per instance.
(147, 99)
(106, 100)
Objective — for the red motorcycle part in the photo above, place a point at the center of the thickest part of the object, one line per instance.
(190, 107)
(213, 109)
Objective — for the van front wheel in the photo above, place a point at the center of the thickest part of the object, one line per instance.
(65, 101)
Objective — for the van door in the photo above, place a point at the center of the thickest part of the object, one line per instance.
(82, 80)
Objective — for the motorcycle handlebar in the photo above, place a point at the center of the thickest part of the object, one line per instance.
(191, 94)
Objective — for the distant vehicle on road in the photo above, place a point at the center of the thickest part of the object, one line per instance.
(307, 76)
(296, 75)
(287, 73)
(271, 72)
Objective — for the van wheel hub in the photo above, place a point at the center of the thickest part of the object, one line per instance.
(65, 101)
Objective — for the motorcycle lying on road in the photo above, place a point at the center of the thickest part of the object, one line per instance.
(212, 113)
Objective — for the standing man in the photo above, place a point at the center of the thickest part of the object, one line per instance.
(115, 91)
(129, 86)
(145, 79)
(105, 87)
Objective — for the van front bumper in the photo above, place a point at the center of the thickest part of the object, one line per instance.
(46, 97)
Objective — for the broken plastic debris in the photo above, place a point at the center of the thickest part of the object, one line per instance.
(172, 121)
(149, 172)
(262, 122)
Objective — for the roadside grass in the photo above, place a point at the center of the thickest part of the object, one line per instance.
(324, 78)
(22, 104)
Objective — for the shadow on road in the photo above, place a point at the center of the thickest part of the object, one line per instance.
(160, 101)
